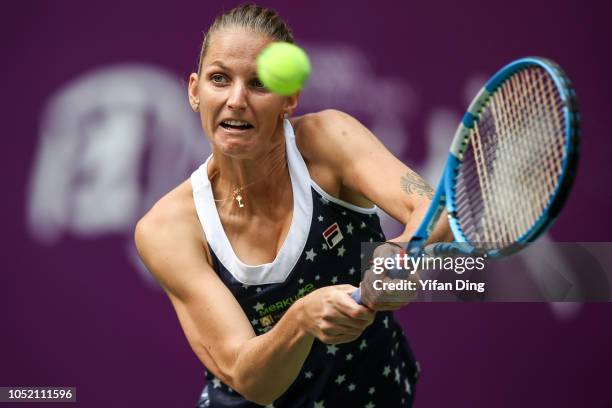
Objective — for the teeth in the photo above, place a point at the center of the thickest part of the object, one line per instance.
(236, 123)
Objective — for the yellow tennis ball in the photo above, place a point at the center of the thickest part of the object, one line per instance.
(283, 68)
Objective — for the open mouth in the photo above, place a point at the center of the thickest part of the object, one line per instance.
(235, 125)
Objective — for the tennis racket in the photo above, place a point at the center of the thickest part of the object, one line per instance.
(511, 165)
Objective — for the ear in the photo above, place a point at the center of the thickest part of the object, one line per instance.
(291, 103)
(192, 89)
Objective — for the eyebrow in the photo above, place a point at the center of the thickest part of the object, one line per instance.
(219, 64)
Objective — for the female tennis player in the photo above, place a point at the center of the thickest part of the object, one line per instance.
(259, 251)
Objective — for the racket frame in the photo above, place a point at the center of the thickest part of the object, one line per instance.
(445, 197)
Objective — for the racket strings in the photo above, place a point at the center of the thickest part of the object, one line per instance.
(526, 155)
(513, 162)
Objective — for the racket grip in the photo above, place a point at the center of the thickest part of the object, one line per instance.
(449, 248)
(393, 274)
(356, 295)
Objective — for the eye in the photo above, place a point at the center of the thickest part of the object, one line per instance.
(218, 79)
(258, 84)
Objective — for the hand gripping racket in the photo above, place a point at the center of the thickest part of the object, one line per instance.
(511, 165)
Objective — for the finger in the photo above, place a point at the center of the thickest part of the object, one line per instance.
(387, 307)
(349, 308)
(378, 302)
(386, 250)
(339, 339)
(347, 322)
(349, 289)
(342, 330)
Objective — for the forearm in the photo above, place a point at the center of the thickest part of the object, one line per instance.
(267, 365)
(441, 232)
(422, 194)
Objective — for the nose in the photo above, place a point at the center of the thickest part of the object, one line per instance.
(237, 98)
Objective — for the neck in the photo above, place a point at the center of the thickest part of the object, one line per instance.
(259, 184)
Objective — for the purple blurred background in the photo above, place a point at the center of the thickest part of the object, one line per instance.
(77, 311)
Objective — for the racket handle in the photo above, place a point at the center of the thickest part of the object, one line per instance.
(393, 274)
(449, 248)
(356, 295)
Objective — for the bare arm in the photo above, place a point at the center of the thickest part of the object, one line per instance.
(360, 162)
(413, 185)
(261, 367)
(365, 165)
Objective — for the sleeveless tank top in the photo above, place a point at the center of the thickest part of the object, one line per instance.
(322, 248)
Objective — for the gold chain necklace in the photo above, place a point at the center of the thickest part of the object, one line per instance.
(237, 192)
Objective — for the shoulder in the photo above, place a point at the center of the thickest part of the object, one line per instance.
(336, 147)
(317, 132)
(175, 209)
(322, 120)
(335, 140)
(170, 228)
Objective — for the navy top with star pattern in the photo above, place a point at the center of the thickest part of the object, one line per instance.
(322, 248)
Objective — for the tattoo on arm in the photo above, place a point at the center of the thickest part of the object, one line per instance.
(412, 183)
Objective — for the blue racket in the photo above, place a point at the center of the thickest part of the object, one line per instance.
(511, 165)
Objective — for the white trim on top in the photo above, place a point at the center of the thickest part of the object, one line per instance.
(329, 197)
(293, 246)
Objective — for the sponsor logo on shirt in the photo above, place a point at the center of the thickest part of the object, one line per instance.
(332, 235)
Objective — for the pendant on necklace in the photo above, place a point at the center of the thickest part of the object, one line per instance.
(238, 198)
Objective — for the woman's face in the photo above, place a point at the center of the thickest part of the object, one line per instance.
(240, 116)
